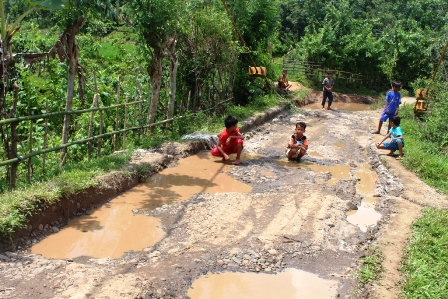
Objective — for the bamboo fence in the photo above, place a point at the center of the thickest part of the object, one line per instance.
(132, 110)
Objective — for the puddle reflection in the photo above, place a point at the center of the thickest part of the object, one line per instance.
(366, 215)
(113, 229)
(291, 284)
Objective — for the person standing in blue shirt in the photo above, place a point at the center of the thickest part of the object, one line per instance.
(393, 101)
(396, 138)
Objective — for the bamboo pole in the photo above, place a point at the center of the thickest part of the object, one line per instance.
(40, 116)
(125, 124)
(12, 150)
(140, 112)
(100, 140)
(44, 158)
(31, 150)
(116, 116)
(92, 117)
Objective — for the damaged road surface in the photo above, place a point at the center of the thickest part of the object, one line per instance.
(287, 220)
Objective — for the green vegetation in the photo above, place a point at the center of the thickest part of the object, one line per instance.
(371, 267)
(426, 263)
(424, 155)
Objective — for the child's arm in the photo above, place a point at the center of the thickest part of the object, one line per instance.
(237, 136)
(219, 147)
(385, 137)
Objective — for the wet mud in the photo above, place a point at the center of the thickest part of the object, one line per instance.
(282, 219)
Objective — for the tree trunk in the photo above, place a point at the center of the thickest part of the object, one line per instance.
(155, 72)
(68, 104)
(68, 41)
(173, 75)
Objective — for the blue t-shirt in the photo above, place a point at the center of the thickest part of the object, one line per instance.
(395, 132)
(393, 100)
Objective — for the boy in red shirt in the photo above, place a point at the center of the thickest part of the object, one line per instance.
(230, 141)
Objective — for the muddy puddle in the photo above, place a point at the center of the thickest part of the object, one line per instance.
(291, 284)
(338, 171)
(366, 215)
(115, 228)
(340, 106)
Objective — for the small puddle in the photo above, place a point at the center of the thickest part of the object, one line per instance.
(366, 215)
(113, 229)
(291, 284)
(340, 144)
(340, 106)
(338, 171)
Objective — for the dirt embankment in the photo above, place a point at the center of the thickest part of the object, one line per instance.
(295, 217)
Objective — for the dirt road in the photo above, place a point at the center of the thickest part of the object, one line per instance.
(294, 217)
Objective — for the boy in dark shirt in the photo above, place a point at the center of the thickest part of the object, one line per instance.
(298, 143)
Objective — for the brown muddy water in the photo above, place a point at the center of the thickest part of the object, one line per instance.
(340, 106)
(291, 284)
(366, 215)
(114, 229)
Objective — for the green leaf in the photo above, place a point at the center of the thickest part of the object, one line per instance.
(36, 161)
(52, 4)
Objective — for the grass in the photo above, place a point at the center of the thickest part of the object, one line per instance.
(371, 268)
(426, 264)
(15, 206)
(430, 166)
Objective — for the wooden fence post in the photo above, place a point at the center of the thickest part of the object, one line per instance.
(29, 166)
(125, 123)
(100, 140)
(44, 158)
(140, 111)
(12, 150)
(92, 117)
(117, 115)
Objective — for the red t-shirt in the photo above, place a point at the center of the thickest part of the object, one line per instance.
(233, 142)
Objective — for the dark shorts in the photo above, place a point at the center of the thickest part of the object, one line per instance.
(393, 145)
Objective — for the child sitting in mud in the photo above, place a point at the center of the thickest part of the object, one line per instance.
(396, 135)
(298, 143)
(230, 141)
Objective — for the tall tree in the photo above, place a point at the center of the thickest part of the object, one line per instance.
(156, 21)
(71, 20)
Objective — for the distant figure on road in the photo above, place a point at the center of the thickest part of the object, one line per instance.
(328, 84)
(396, 135)
(283, 83)
(298, 143)
(393, 102)
(230, 141)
